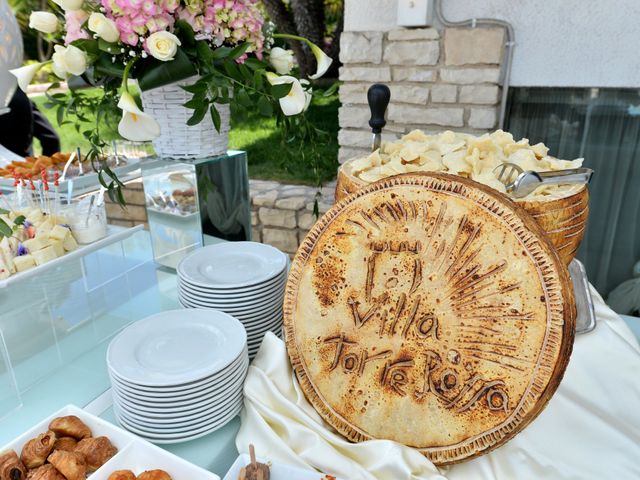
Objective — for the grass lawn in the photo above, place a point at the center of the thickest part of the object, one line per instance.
(269, 159)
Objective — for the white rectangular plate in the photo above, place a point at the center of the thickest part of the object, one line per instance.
(279, 471)
(114, 234)
(133, 454)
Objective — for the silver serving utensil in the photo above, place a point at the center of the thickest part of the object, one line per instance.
(378, 97)
(519, 183)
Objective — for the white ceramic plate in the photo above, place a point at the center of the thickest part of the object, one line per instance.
(176, 347)
(175, 426)
(158, 397)
(236, 293)
(161, 439)
(266, 303)
(192, 387)
(232, 265)
(186, 407)
(243, 317)
(183, 404)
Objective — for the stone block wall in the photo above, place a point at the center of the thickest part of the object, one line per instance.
(438, 79)
(281, 215)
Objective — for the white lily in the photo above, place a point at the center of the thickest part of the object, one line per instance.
(25, 74)
(308, 92)
(323, 60)
(136, 125)
(293, 102)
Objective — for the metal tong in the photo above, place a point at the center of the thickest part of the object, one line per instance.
(378, 97)
(519, 183)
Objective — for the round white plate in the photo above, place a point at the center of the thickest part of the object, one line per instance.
(178, 426)
(182, 388)
(176, 347)
(161, 397)
(239, 293)
(240, 310)
(180, 407)
(182, 438)
(242, 304)
(133, 401)
(250, 315)
(232, 265)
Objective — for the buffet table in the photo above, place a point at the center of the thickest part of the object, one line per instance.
(597, 400)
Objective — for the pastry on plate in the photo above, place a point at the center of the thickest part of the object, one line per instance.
(35, 451)
(70, 426)
(11, 468)
(122, 475)
(96, 451)
(71, 464)
(68, 444)
(154, 475)
(45, 472)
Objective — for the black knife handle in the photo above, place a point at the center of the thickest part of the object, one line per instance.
(378, 97)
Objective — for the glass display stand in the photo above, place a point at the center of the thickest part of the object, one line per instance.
(188, 199)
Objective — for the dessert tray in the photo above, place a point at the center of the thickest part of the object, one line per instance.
(132, 453)
(279, 471)
(430, 310)
(114, 234)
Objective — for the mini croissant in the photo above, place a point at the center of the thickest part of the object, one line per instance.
(154, 475)
(70, 426)
(70, 464)
(35, 451)
(122, 475)
(45, 472)
(96, 451)
(68, 444)
(11, 468)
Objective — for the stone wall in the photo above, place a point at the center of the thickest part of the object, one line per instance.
(135, 213)
(281, 215)
(438, 79)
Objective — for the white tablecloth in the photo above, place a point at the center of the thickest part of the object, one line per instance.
(590, 428)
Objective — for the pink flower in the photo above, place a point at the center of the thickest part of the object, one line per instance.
(73, 26)
(129, 38)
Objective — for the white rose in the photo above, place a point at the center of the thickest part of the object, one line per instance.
(69, 5)
(104, 27)
(60, 62)
(75, 60)
(163, 45)
(45, 22)
(281, 60)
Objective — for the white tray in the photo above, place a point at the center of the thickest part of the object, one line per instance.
(133, 454)
(279, 471)
(114, 234)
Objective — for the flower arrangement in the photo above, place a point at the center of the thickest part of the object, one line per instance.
(126, 46)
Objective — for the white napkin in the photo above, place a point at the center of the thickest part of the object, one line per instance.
(590, 428)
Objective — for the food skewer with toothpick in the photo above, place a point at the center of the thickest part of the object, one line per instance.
(255, 470)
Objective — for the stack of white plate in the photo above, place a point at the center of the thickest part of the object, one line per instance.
(243, 279)
(178, 375)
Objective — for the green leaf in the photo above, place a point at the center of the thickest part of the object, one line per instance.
(205, 54)
(4, 212)
(5, 230)
(164, 73)
(91, 47)
(242, 97)
(193, 103)
(232, 70)
(264, 107)
(238, 51)
(221, 53)
(110, 48)
(255, 64)
(258, 79)
(19, 220)
(215, 116)
(331, 90)
(197, 116)
(104, 66)
(246, 73)
(281, 90)
(195, 88)
(188, 35)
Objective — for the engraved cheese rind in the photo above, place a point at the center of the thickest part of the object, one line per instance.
(363, 222)
(564, 220)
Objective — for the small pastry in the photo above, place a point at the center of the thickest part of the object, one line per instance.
(70, 426)
(96, 451)
(24, 262)
(122, 475)
(45, 472)
(34, 244)
(59, 232)
(35, 451)
(154, 475)
(69, 464)
(44, 255)
(68, 444)
(69, 243)
(11, 468)
(57, 246)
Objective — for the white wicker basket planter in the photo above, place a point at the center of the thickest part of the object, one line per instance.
(177, 139)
